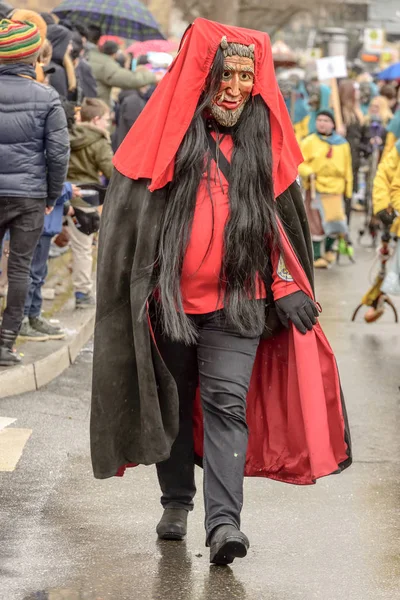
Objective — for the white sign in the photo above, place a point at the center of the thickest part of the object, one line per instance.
(331, 67)
(374, 40)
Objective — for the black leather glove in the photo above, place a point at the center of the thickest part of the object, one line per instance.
(299, 309)
(386, 217)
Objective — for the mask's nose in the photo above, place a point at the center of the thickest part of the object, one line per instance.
(235, 88)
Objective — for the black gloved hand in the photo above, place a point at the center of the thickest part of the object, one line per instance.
(299, 309)
(386, 217)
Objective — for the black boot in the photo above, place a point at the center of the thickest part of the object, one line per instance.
(173, 524)
(227, 543)
(8, 358)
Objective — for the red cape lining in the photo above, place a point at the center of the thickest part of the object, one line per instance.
(294, 408)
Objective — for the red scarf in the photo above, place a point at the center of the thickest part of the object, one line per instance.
(150, 147)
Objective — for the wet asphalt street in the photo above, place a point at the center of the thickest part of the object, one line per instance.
(66, 536)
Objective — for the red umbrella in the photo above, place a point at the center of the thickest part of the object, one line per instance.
(139, 48)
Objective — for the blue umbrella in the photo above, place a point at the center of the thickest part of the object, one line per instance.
(128, 19)
(392, 72)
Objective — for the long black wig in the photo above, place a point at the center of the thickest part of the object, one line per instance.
(250, 230)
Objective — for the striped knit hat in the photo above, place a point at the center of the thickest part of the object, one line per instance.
(19, 41)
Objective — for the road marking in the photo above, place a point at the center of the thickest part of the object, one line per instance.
(5, 422)
(12, 443)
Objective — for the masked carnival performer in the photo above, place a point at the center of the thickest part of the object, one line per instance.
(207, 347)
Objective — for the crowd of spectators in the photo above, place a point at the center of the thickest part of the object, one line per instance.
(67, 100)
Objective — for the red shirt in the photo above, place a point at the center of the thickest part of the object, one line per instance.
(201, 287)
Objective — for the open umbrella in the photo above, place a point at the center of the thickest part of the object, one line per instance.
(392, 72)
(128, 19)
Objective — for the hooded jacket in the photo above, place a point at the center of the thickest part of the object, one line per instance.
(91, 154)
(109, 74)
(386, 190)
(59, 37)
(34, 144)
(331, 165)
(393, 134)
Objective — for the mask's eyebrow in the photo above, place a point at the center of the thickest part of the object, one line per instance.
(238, 68)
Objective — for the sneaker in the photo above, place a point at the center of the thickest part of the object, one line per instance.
(320, 263)
(29, 334)
(84, 300)
(42, 325)
(330, 256)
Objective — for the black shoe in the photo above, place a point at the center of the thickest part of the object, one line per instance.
(173, 524)
(8, 358)
(227, 543)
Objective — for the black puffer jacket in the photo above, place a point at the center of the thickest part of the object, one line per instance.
(34, 141)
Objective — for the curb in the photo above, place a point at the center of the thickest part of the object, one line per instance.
(32, 376)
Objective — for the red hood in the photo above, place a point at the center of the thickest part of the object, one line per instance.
(150, 147)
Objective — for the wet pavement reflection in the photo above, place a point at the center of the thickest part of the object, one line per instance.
(66, 536)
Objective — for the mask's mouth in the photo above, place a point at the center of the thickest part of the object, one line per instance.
(228, 102)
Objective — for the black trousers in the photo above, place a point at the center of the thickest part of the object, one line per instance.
(24, 218)
(222, 362)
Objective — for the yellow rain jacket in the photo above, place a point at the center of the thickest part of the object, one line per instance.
(301, 128)
(393, 134)
(386, 190)
(330, 163)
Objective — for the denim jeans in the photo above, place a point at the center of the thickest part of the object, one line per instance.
(221, 362)
(38, 274)
(24, 218)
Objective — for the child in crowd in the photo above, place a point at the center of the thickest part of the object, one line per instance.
(91, 156)
(328, 177)
(35, 327)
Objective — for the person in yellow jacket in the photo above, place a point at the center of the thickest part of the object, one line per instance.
(386, 191)
(328, 178)
(393, 134)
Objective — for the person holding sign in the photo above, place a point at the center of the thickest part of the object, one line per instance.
(327, 175)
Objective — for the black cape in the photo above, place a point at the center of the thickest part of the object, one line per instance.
(135, 415)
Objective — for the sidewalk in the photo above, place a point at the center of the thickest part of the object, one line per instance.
(44, 361)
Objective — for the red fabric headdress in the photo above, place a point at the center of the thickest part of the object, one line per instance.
(150, 147)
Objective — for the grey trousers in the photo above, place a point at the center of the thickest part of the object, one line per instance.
(221, 362)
